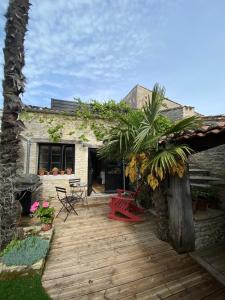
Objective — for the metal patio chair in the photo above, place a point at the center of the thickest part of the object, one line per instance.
(68, 202)
(78, 189)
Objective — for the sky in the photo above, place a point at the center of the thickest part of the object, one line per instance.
(100, 49)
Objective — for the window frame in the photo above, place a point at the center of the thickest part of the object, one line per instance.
(62, 154)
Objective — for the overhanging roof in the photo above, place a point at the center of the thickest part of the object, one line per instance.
(210, 135)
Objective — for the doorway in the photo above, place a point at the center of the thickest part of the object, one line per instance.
(103, 176)
(96, 173)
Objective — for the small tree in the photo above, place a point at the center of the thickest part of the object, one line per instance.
(13, 86)
(143, 138)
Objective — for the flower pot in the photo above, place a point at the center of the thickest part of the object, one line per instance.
(194, 206)
(202, 204)
(68, 171)
(46, 227)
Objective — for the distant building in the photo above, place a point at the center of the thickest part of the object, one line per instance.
(139, 95)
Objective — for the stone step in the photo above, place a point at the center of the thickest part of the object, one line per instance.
(205, 178)
(195, 170)
(200, 185)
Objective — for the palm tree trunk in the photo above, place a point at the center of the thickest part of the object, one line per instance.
(13, 86)
(161, 206)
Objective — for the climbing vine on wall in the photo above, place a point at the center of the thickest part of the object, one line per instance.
(93, 115)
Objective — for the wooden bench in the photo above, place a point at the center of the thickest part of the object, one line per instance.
(125, 206)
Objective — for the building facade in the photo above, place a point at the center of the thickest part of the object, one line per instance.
(71, 150)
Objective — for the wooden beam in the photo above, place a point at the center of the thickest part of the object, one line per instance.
(181, 224)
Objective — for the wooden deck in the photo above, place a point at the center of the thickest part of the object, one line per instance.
(93, 257)
(213, 260)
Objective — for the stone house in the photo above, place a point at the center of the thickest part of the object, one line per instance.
(139, 95)
(71, 151)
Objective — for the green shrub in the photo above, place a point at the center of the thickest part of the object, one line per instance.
(26, 252)
(10, 246)
(206, 193)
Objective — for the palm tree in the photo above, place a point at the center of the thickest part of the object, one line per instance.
(13, 86)
(144, 139)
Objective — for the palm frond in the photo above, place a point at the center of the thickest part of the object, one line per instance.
(149, 126)
(167, 158)
(189, 123)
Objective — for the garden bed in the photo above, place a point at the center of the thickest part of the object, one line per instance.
(13, 271)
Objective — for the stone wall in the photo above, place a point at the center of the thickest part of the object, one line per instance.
(212, 160)
(209, 228)
(37, 125)
(179, 113)
(49, 182)
(138, 96)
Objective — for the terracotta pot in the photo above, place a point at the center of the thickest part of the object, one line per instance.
(46, 227)
(68, 171)
(194, 206)
(202, 204)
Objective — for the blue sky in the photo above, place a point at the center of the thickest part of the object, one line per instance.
(100, 49)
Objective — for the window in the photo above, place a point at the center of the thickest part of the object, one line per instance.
(56, 155)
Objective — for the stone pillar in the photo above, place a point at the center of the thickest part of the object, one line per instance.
(81, 162)
(33, 158)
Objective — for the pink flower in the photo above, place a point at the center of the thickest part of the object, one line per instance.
(34, 206)
(45, 204)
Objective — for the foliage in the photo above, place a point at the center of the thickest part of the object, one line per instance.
(95, 109)
(25, 287)
(206, 193)
(143, 138)
(93, 115)
(55, 133)
(10, 246)
(43, 211)
(27, 252)
(144, 197)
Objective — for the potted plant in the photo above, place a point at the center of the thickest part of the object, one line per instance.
(200, 199)
(62, 172)
(45, 213)
(41, 171)
(69, 171)
(55, 171)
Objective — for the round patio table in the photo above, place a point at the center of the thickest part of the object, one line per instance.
(80, 191)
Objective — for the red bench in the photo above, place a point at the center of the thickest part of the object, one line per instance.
(125, 206)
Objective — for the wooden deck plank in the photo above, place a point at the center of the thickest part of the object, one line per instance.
(213, 260)
(92, 257)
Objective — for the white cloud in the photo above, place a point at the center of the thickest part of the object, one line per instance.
(91, 40)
